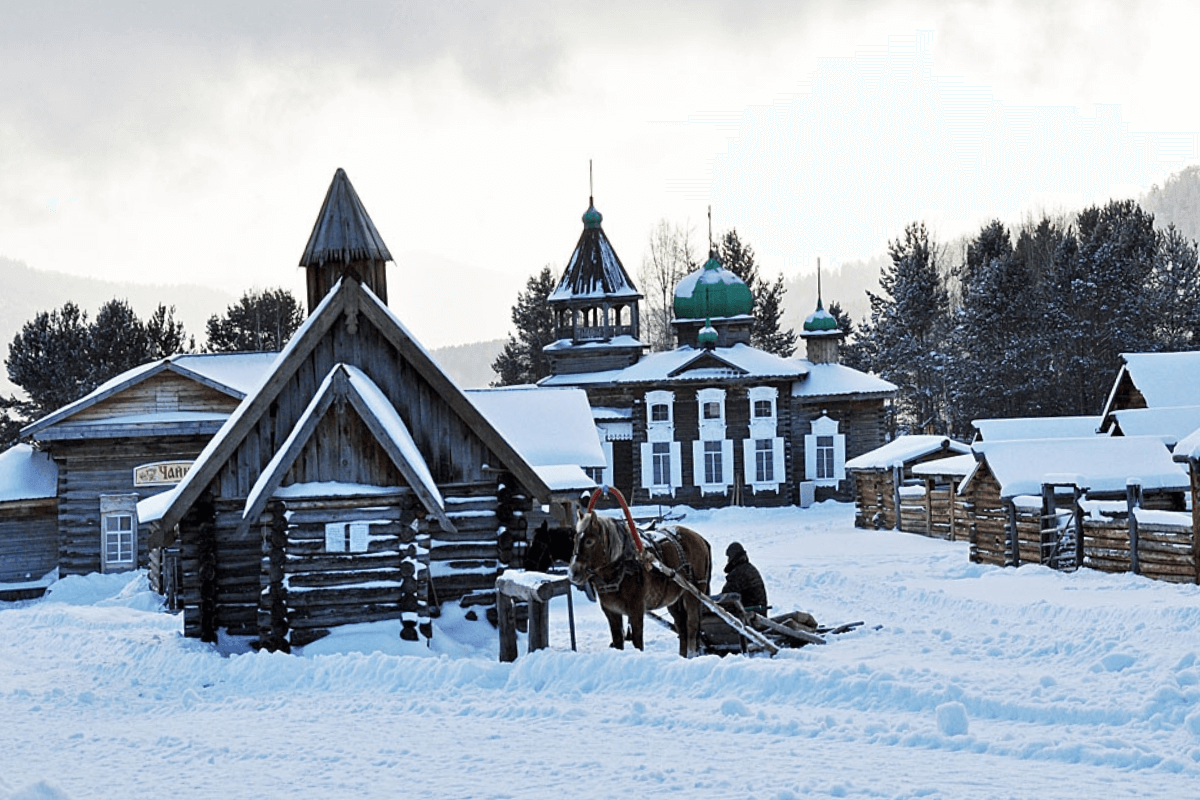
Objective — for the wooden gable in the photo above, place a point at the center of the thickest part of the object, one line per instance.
(351, 326)
(161, 393)
(706, 360)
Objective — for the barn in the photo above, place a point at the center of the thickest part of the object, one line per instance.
(357, 482)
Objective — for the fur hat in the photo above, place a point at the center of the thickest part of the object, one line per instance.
(734, 550)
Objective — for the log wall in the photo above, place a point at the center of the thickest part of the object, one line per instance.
(28, 539)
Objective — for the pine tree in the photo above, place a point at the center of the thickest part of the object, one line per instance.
(1099, 305)
(766, 333)
(165, 335)
(51, 360)
(118, 341)
(523, 359)
(905, 340)
(1175, 292)
(259, 321)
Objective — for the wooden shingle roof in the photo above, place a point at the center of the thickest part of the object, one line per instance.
(343, 231)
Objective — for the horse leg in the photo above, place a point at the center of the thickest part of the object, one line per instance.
(681, 618)
(637, 623)
(615, 628)
(692, 605)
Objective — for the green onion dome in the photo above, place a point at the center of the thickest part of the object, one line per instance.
(712, 291)
(707, 337)
(591, 217)
(820, 321)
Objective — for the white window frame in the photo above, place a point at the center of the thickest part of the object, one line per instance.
(674, 467)
(119, 529)
(700, 460)
(764, 427)
(712, 428)
(821, 427)
(661, 430)
(778, 464)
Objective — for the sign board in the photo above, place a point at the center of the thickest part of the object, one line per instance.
(161, 473)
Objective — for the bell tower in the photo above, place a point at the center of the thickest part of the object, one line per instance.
(344, 242)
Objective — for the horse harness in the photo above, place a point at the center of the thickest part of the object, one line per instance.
(631, 563)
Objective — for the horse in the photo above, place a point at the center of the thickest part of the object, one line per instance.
(606, 556)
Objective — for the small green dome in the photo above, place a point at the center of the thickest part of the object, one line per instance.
(592, 217)
(820, 321)
(712, 291)
(707, 337)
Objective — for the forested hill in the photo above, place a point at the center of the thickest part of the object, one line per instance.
(1177, 201)
(28, 291)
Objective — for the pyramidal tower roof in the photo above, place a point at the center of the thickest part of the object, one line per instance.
(594, 271)
(343, 231)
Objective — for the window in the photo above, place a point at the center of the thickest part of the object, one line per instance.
(712, 463)
(660, 412)
(661, 453)
(712, 410)
(764, 461)
(825, 458)
(764, 408)
(118, 538)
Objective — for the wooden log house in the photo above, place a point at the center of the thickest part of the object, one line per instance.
(131, 438)
(28, 522)
(358, 483)
(714, 421)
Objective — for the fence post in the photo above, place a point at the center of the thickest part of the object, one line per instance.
(1078, 493)
(897, 479)
(1133, 500)
(1014, 539)
(1049, 522)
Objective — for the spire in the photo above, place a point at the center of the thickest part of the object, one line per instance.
(344, 242)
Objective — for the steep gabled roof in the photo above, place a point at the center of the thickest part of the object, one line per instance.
(345, 382)
(233, 374)
(1164, 380)
(349, 301)
(594, 272)
(343, 231)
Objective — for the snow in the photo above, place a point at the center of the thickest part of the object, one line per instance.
(1170, 424)
(1164, 379)
(1098, 463)
(954, 465)
(904, 449)
(991, 430)
(546, 426)
(561, 478)
(967, 682)
(828, 380)
(742, 360)
(27, 474)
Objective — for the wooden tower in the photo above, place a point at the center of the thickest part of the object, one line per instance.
(344, 242)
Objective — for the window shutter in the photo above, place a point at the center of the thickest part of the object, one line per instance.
(648, 467)
(780, 462)
(727, 474)
(676, 466)
(697, 463)
(749, 472)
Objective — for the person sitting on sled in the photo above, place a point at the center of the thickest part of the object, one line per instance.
(743, 578)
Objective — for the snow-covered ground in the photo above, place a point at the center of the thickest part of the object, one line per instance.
(966, 682)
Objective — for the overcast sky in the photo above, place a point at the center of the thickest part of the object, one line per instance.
(194, 142)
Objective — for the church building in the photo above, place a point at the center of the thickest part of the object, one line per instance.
(714, 421)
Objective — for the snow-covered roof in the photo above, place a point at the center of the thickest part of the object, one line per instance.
(689, 363)
(1006, 429)
(960, 465)
(27, 474)
(1096, 463)
(828, 380)
(234, 374)
(547, 426)
(904, 449)
(1165, 380)
(594, 271)
(616, 341)
(1188, 448)
(1169, 424)
(565, 478)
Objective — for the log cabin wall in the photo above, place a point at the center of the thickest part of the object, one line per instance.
(28, 539)
(89, 468)
(862, 422)
(988, 519)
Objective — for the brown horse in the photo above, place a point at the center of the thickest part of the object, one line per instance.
(605, 556)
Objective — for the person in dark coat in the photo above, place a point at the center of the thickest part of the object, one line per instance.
(743, 577)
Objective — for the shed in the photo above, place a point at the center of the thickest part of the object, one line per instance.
(883, 476)
(28, 522)
(1017, 485)
(1155, 380)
